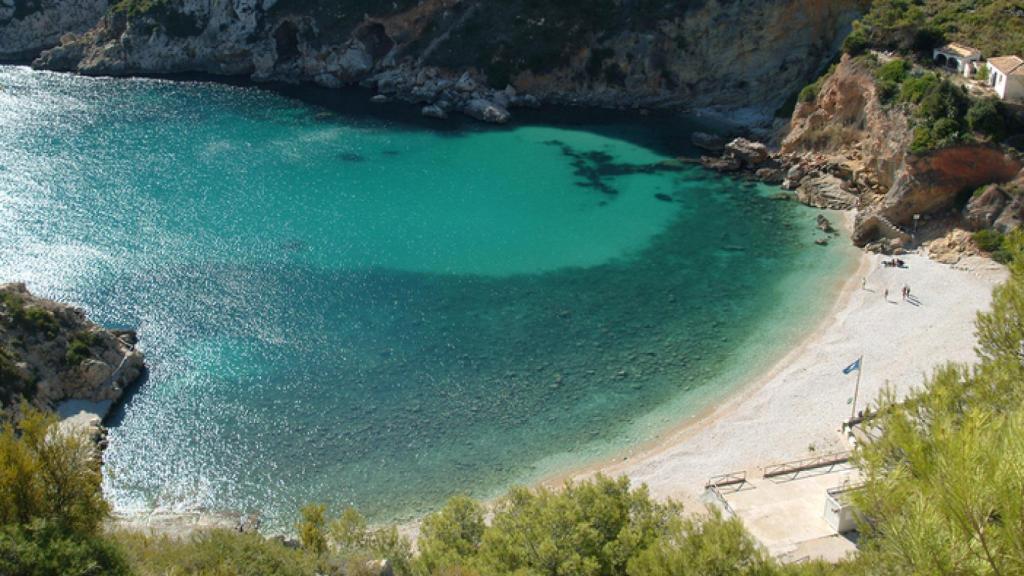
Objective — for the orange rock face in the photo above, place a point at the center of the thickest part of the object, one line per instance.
(938, 180)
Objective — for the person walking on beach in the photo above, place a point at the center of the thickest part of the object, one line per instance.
(863, 282)
(886, 294)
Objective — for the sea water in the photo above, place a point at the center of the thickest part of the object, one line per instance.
(360, 309)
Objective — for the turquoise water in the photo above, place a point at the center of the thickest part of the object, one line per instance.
(355, 309)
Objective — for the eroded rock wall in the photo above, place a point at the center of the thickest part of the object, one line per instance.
(27, 27)
(726, 53)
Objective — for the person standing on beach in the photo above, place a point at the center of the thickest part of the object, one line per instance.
(886, 294)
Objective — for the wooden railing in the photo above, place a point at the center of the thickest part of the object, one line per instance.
(830, 459)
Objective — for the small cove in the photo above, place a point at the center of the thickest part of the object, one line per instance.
(357, 309)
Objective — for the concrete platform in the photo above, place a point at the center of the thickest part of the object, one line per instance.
(786, 513)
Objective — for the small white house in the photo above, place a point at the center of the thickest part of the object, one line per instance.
(1006, 77)
(957, 58)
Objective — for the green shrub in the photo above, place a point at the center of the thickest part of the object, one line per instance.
(48, 477)
(43, 548)
(32, 318)
(594, 527)
(217, 552)
(711, 545)
(78, 348)
(984, 116)
(988, 240)
(857, 42)
(894, 71)
(997, 244)
(915, 88)
(312, 528)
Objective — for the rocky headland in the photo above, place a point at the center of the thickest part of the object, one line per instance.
(846, 149)
(478, 57)
(51, 353)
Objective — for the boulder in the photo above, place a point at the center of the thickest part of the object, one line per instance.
(1012, 217)
(826, 191)
(824, 225)
(434, 111)
(466, 83)
(984, 209)
(486, 111)
(713, 143)
(769, 175)
(380, 568)
(721, 164)
(748, 152)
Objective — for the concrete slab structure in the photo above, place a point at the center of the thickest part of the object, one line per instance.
(786, 513)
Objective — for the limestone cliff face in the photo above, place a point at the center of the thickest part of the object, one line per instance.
(848, 132)
(50, 352)
(726, 53)
(848, 121)
(27, 27)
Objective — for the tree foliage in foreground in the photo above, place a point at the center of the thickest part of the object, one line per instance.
(600, 527)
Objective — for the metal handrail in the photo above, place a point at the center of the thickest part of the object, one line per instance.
(726, 480)
(829, 459)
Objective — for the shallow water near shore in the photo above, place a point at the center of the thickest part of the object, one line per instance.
(358, 310)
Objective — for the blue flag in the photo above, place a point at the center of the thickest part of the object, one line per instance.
(852, 367)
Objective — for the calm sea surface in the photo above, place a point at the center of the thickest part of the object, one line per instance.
(358, 309)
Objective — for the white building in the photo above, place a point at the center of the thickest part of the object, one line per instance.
(957, 57)
(1006, 77)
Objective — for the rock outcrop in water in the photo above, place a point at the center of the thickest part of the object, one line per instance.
(482, 57)
(28, 27)
(50, 352)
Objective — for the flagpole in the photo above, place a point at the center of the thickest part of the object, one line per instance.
(856, 389)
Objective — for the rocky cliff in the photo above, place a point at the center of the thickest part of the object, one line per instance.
(50, 352)
(846, 137)
(28, 27)
(730, 54)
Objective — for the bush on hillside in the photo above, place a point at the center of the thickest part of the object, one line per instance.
(44, 548)
(215, 552)
(48, 476)
(985, 116)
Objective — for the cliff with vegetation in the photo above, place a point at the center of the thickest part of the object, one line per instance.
(28, 27)
(925, 155)
(448, 53)
(50, 352)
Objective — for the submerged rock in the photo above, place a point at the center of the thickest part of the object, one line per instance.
(824, 225)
